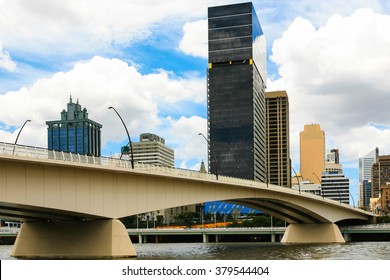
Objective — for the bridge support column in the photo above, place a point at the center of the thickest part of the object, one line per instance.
(205, 238)
(312, 233)
(347, 237)
(98, 239)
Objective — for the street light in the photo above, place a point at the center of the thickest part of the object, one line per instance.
(299, 183)
(212, 152)
(128, 136)
(17, 137)
(322, 194)
(353, 200)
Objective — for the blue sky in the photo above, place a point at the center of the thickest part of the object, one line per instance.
(148, 59)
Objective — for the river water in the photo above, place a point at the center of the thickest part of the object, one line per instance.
(254, 251)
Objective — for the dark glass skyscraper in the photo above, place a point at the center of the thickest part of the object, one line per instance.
(74, 133)
(236, 92)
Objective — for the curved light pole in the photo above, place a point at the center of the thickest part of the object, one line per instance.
(320, 185)
(299, 183)
(212, 152)
(17, 137)
(128, 136)
(353, 200)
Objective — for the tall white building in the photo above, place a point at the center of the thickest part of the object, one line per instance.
(365, 165)
(334, 184)
(152, 149)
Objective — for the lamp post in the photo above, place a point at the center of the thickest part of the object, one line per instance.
(128, 136)
(353, 200)
(299, 183)
(320, 185)
(17, 137)
(212, 152)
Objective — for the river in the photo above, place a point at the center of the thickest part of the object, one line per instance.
(254, 251)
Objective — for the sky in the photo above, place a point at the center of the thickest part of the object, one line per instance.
(148, 59)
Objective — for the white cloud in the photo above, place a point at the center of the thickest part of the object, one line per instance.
(194, 41)
(183, 135)
(87, 26)
(6, 62)
(189, 88)
(98, 84)
(337, 76)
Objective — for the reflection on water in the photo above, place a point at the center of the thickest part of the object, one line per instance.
(255, 251)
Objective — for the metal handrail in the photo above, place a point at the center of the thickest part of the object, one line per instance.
(111, 162)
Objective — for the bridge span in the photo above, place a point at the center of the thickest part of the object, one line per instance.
(53, 191)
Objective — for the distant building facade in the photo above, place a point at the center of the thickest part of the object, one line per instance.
(385, 198)
(75, 132)
(380, 174)
(365, 169)
(332, 162)
(365, 164)
(312, 152)
(299, 184)
(278, 138)
(335, 185)
(365, 194)
(151, 149)
(236, 82)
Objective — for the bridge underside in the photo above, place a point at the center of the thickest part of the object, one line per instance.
(283, 210)
(305, 226)
(28, 213)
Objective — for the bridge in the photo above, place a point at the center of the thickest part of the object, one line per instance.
(54, 193)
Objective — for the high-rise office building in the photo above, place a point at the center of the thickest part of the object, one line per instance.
(365, 194)
(380, 174)
(332, 162)
(312, 152)
(385, 199)
(333, 156)
(151, 149)
(278, 138)
(236, 87)
(74, 133)
(335, 185)
(365, 166)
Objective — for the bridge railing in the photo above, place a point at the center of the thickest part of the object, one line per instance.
(42, 153)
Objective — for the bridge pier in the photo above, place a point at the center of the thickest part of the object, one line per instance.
(347, 237)
(205, 238)
(312, 233)
(97, 239)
